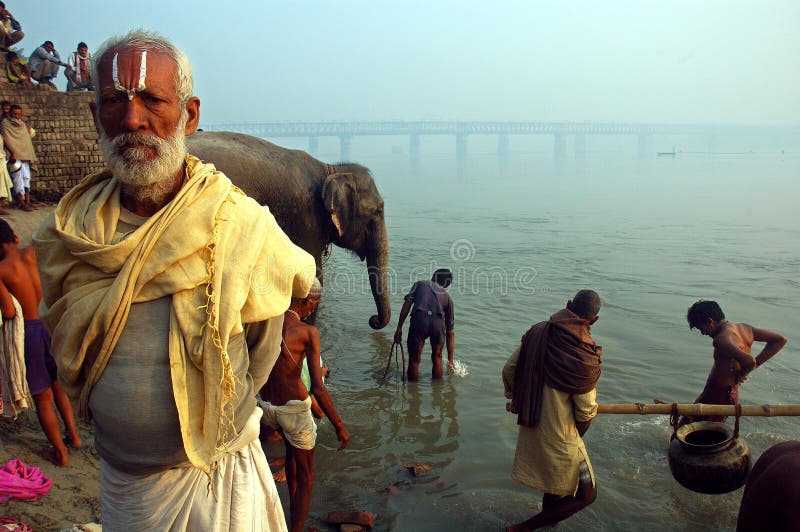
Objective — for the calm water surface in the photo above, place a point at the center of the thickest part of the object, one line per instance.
(651, 237)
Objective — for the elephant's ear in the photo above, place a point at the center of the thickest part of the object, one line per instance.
(339, 196)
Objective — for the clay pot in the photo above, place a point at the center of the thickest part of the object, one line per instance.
(707, 457)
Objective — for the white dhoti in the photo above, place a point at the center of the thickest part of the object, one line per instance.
(241, 496)
(294, 419)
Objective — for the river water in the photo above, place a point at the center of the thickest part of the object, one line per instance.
(651, 237)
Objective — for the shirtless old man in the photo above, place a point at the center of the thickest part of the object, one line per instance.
(287, 404)
(732, 358)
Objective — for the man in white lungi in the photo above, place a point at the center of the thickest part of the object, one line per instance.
(164, 291)
(551, 380)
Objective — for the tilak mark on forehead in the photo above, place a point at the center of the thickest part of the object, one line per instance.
(129, 87)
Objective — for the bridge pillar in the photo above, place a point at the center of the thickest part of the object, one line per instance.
(313, 146)
(344, 147)
(559, 145)
(461, 154)
(580, 146)
(644, 146)
(413, 152)
(502, 152)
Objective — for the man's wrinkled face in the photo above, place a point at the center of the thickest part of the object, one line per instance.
(49, 48)
(140, 119)
(16, 113)
(82, 51)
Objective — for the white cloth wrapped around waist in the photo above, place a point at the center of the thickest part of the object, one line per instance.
(294, 419)
(242, 495)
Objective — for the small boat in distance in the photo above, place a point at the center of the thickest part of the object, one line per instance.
(666, 153)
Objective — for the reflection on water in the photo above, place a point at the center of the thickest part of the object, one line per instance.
(650, 238)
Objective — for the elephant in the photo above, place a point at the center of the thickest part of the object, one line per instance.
(771, 499)
(314, 203)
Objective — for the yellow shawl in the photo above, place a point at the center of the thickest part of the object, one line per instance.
(220, 255)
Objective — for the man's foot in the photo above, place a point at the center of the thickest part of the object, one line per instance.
(59, 458)
(279, 476)
(25, 207)
(4, 212)
(74, 443)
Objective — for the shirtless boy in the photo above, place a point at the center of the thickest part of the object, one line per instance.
(732, 358)
(19, 277)
(287, 404)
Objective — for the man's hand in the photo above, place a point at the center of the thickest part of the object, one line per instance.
(343, 436)
(398, 335)
(451, 366)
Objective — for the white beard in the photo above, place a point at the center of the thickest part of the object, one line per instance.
(146, 179)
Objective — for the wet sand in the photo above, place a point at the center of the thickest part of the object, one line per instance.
(74, 497)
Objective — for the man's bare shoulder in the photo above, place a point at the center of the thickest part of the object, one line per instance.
(301, 330)
(728, 336)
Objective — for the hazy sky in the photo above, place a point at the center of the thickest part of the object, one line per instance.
(726, 61)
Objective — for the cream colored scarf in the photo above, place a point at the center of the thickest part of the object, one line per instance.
(220, 255)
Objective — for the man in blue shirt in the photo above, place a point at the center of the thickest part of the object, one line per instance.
(432, 318)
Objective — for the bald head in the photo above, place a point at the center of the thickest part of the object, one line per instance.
(585, 304)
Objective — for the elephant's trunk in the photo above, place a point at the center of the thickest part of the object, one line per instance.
(377, 268)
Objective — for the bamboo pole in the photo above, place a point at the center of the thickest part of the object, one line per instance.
(698, 409)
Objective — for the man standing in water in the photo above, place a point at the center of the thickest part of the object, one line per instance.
(551, 380)
(287, 403)
(732, 359)
(164, 290)
(432, 318)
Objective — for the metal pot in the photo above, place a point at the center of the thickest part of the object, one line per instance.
(13, 165)
(708, 457)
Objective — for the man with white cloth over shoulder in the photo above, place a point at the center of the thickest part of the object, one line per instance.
(164, 290)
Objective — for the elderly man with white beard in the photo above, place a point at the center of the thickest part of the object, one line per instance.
(164, 291)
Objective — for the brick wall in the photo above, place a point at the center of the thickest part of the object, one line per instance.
(66, 139)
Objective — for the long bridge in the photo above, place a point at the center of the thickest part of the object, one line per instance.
(560, 131)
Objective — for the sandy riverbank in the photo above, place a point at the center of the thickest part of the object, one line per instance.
(74, 497)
